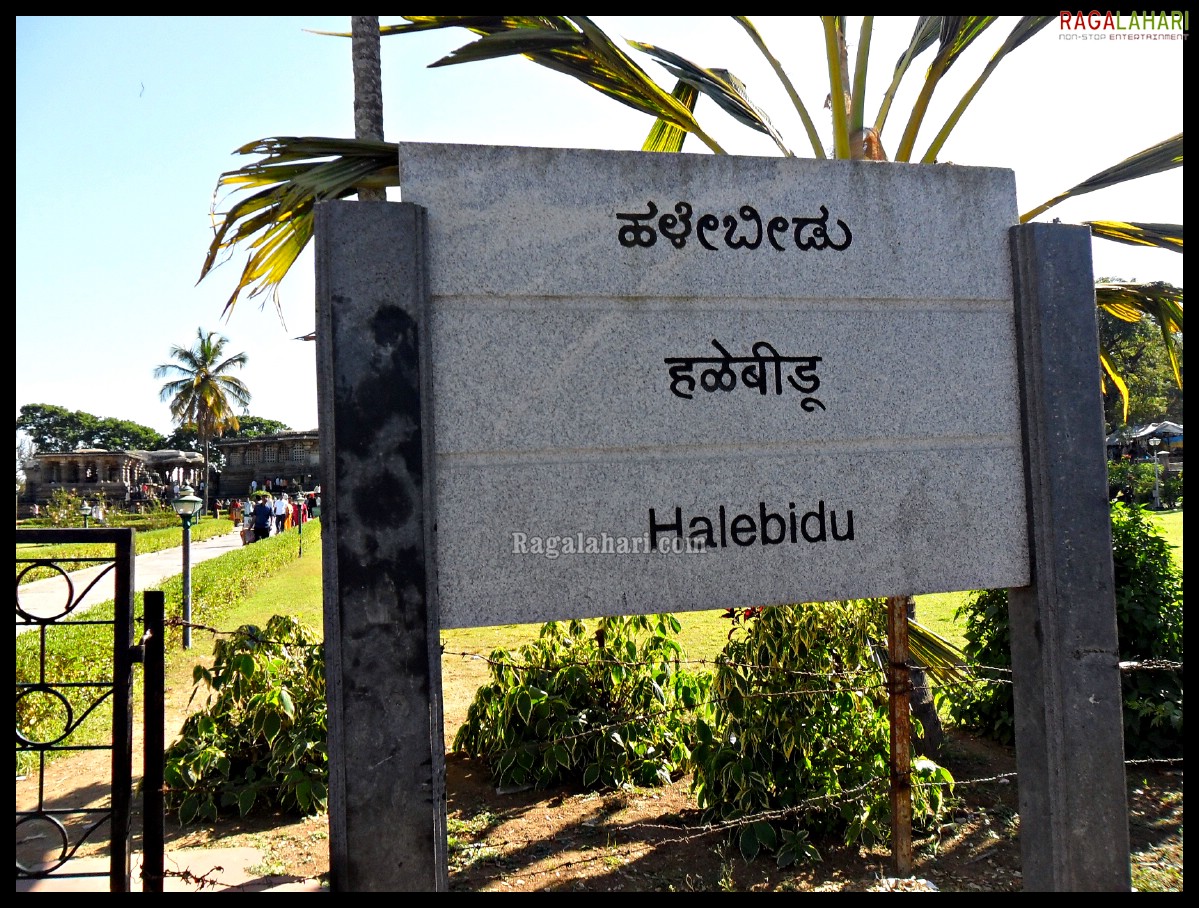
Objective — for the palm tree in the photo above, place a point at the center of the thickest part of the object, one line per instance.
(201, 390)
(274, 220)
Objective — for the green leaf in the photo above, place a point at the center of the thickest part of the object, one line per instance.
(765, 834)
(747, 842)
(524, 706)
(189, 809)
(244, 665)
(245, 800)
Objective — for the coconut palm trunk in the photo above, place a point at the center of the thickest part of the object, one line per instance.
(368, 90)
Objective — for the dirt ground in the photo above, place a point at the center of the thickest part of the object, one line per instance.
(653, 839)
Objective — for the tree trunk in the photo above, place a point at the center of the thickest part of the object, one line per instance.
(368, 89)
(204, 481)
(929, 741)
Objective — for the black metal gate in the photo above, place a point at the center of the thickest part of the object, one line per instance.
(61, 625)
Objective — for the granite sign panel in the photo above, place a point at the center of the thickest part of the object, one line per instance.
(672, 382)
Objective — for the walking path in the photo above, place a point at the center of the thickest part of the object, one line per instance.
(47, 598)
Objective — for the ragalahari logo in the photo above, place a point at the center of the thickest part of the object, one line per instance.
(1117, 26)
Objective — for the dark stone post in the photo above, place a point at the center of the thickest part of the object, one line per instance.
(1065, 658)
(386, 748)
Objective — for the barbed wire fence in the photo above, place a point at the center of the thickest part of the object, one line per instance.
(872, 682)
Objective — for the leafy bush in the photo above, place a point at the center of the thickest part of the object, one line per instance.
(1171, 490)
(604, 703)
(1131, 481)
(261, 738)
(801, 731)
(1149, 595)
(1149, 623)
(986, 705)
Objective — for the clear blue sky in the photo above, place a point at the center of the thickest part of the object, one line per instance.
(124, 125)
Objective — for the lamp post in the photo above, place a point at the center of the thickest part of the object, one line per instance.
(186, 506)
(85, 511)
(1157, 501)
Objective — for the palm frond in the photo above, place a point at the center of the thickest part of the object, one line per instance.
(957, 33)
(718, 84)
(800, 108)
(1020, 33)
(506, 44)
(1158, 301)
(857, 110)
(572, 45)
(834, 48)
(275, 222)
(925, 33)
(665, 136)
(1158, 158)
(1109, 372)
(1160, 236)
(935, 654)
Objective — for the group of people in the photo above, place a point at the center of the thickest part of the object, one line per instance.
(264, 515)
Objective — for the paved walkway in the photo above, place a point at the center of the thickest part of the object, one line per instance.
(46, 598)
(192, 870)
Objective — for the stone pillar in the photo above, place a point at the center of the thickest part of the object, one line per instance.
(1065, 662)
(386, 740)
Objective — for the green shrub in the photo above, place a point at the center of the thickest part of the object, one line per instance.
(801, 731)
(1149, 622)
(1171, 490)
(602, 703)
(1149, 596)
(260, 740)
(1132, 481)
(985, 706)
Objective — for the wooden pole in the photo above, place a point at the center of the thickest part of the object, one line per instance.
(898, 696)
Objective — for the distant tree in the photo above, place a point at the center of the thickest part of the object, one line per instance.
(25, 451)
(255, 426)
(53, 429)
(201, 390)
(187, 438)
(123, 435)
(184, 438)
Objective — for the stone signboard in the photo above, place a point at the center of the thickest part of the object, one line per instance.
(666, 383)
